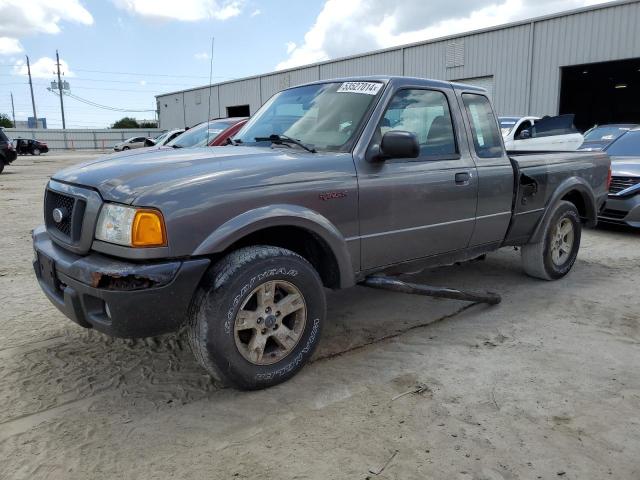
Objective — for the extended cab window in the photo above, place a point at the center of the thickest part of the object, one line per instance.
(426, 114)
(486, 136)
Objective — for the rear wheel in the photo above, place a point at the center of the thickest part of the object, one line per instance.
(257, 316)
(554, 256)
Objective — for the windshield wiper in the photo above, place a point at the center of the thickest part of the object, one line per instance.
(280, 139)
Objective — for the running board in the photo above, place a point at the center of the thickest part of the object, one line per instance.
(388, 283)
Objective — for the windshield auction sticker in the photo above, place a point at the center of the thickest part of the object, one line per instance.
(368, 88)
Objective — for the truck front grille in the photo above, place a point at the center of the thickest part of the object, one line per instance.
(69, 226)
(619, 184)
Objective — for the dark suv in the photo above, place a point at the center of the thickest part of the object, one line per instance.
(7, 152)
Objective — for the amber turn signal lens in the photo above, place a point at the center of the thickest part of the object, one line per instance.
(148, 229)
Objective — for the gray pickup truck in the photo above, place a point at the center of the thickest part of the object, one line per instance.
(327, 184)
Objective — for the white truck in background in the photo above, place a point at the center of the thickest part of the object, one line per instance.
(540, 134)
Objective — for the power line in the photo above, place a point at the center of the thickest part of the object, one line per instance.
(100, 80)
(111, 72)
(105, 107)
(142, 74)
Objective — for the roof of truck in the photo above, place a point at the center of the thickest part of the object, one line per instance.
(397, 79)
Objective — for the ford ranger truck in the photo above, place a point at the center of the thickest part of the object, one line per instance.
(326, 184)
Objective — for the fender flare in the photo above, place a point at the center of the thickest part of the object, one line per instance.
(569, 185)
(283, 215)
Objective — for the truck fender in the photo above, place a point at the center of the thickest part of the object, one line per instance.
(257, 219)
(568, 186)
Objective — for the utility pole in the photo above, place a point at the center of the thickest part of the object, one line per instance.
(33, 100)
(64, 126)
(13, 111)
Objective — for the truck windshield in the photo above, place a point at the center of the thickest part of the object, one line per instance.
(628, 145)
(324, 117)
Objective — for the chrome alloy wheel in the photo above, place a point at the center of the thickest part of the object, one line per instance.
(562, 242)
(270, 322)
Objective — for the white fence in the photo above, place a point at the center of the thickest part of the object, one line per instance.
(81, 139)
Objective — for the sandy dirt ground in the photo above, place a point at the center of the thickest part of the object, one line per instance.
(544, 386)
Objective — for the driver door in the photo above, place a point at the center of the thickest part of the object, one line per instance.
(418, 207)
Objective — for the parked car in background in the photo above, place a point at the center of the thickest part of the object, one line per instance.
(163, 138)
(540, 134)
(213, 133)
(7, 151)
(598, 137)
(623, 202)
(220, 131)
(130, 143)
(27, 146)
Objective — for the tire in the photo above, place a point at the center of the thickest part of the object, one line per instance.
(231, 291)
(1, 165)
(553, 257)
(36, 151)
(125, 148)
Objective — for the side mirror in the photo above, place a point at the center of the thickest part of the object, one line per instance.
(398, 144)
(524, 135)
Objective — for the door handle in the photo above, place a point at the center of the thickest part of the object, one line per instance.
(462, 178)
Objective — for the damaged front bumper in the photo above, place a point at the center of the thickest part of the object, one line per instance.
(119, 298)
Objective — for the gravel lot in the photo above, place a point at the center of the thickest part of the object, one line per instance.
(545, 385)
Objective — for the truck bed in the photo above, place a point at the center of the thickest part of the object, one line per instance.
(538, 177)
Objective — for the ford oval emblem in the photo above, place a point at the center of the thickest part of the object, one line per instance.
(58, 214)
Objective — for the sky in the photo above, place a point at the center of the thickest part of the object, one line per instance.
(121, 53)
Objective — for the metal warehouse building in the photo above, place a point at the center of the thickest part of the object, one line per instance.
(585, 62)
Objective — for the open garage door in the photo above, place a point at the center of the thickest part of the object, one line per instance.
(599, 93)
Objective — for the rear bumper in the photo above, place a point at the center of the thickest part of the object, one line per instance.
(622, 210)
(121, 299)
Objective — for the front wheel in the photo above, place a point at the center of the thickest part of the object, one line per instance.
(36, 151)
(553, 257)
(257, 316)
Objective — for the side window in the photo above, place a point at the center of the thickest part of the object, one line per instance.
(426, 114)
(526, 125)
(484, 128)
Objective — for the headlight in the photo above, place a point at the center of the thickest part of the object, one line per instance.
(130, 226)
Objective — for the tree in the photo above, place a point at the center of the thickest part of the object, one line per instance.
(5, 121)
(148, 124)
(126, 122)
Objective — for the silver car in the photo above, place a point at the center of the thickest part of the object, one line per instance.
(130, 143)
(623, 203)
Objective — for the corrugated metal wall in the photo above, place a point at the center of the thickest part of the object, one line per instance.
(594, 36)
(523, 59)
(80, 139)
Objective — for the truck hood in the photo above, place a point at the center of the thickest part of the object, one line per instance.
(625, 166)
(124, 178)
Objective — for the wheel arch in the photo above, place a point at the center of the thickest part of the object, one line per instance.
(296, 228)
(576, 191)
